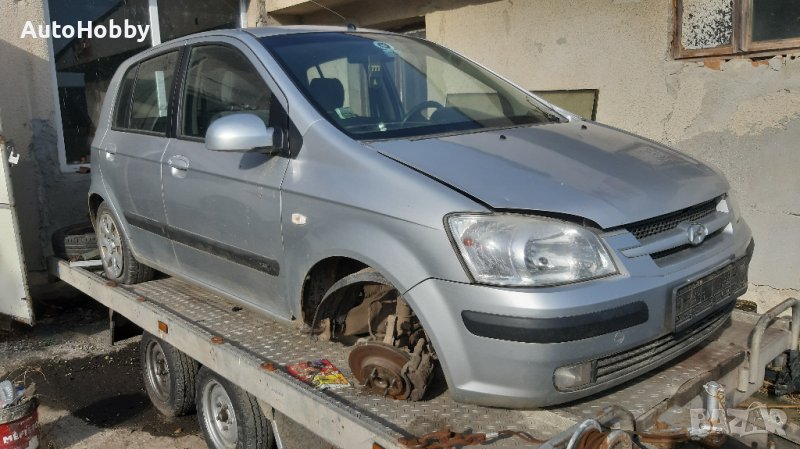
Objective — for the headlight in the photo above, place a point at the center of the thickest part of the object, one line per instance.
(518, 250)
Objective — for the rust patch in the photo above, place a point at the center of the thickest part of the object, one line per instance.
(217, 340)
(269, 366)
(714, 64)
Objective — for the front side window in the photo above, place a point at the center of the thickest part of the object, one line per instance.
(221, 81)
(150, 102)
(383, 86)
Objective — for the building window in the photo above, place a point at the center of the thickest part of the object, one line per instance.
(579, 101)
(84, 65)
(731, 27)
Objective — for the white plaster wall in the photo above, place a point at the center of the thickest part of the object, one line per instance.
(25, 94)
(743, 118)
(46, 198)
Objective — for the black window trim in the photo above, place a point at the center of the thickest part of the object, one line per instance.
(118, 100)
(170, 112)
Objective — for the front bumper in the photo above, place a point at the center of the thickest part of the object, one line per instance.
(501, 346)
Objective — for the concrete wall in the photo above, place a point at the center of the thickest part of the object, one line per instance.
(46, 198)
(742, 116)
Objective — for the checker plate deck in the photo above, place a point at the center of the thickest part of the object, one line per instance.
(265, 340)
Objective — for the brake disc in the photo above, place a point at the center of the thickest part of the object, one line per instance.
(379, 367)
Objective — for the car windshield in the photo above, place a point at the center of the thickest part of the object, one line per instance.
(381, 86)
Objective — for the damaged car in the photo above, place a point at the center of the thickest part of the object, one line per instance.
(393, 195)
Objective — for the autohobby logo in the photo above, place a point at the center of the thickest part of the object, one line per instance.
(88, 29)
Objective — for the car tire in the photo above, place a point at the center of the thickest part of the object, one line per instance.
(229, 416)
(115, 250)
(74, 242)
(169, 376)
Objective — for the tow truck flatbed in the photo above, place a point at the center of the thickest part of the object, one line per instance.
(250, 351)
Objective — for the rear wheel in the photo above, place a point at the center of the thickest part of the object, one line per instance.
(169, 376)
(229, 416)
(115, 252)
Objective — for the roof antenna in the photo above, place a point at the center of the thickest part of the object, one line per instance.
(350, 25)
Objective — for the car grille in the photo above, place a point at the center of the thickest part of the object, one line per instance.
(654, 226)
(656, 351)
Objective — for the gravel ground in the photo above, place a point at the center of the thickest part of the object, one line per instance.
(91, 393)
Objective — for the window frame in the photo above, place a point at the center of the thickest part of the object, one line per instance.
(742, 43)
(180, 91)
(119, 100)
(747, 37)
(155, 33)
(170, 96)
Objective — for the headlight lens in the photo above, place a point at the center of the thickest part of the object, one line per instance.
(516, 250)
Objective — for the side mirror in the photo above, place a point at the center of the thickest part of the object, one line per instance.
(243, 132)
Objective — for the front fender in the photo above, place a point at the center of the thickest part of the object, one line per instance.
(405, 253)
(341, 198)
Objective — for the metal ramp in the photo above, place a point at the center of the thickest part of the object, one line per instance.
(249, 350)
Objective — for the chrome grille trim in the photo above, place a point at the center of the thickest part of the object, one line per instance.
(667, 222)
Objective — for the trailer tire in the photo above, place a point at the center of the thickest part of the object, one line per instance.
(229, 416)
(169, 376)
(115, 250)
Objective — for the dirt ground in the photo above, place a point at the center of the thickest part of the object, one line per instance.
(91, 394)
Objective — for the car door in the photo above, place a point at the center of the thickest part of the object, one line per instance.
(131, 154)
(223, 209)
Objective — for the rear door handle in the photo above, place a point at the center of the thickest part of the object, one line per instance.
(179, 165)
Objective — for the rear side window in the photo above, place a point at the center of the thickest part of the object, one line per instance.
(123, 108)
(150, 103)
(221, 81)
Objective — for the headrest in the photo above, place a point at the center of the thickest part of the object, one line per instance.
(328, 92)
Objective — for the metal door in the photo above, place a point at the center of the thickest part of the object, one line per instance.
(222, 208)
(15, 299)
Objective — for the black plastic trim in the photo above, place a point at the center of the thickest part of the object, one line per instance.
(555, 330)
(200, 243)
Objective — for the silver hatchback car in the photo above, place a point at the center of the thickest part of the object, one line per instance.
(388, 193)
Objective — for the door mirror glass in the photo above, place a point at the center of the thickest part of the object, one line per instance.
(243, 132)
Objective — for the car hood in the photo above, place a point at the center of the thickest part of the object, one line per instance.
(581, 169)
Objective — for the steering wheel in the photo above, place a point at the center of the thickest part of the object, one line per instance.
(427, 104)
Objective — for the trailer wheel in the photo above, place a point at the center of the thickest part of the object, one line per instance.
(169, 376)
(115, 252)
(229, 416)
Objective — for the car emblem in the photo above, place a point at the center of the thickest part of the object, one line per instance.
(696, 233)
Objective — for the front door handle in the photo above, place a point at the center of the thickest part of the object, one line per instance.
(179, 165)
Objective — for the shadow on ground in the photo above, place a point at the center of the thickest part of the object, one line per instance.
(104, 391)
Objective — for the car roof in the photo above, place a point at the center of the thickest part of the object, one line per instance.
(259, 32)
(295, 29)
